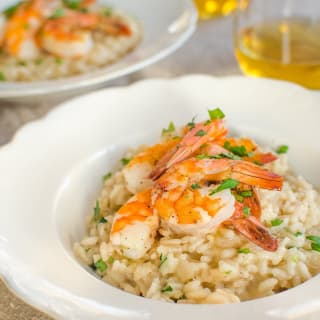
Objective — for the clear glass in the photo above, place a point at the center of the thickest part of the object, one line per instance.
(279, 39)
(213, 8)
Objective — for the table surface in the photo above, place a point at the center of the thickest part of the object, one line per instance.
(209, 51)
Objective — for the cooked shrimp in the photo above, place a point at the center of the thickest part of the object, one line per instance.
(186, 205)
(200, 134)
(134, 226)
(21, 28)
(136, 173)
(70, 35)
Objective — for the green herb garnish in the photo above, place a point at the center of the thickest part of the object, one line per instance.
(216, 114)
(315, 242)
(276, 222)
(22, 63)
(72, 4)
(103, 220)
(96, 211)
(282, 149)
(58, 60)
(2, 77)
(10, 11)
(244, 250)
(39, 61)
(58, 13)
(125, 161)
(246, 211)
(100, 265)
(238, 197)
(226, 184)
(195, 186)
(171, 128)
(163, 259)
(201, 133)
(111, 259)
(240, 151)
(107, 176)
(107, 12)
(315, 239)
(246, 193)
(167, 289)
(298, 234)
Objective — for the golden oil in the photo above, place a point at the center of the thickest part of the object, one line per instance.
(212, 8)
(288, 50)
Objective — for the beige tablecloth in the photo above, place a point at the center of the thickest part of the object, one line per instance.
(209, 51)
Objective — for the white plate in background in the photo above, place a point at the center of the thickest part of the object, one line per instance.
(51, 173)
(166, 26)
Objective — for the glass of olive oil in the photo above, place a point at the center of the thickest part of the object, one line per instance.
(280, 39)
(213, 8)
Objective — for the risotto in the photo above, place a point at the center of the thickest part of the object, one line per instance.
(214, 267)
(43, 40)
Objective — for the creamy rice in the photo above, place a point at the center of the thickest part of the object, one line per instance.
(222, 267)
(106, 50)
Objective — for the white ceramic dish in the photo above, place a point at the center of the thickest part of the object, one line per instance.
(51, 173)
(166, 26)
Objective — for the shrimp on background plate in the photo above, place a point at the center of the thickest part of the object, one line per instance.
(70, 35)
(19, 36)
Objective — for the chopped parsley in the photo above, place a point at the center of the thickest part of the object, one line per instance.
(226, 184)
(22, 63)
(167, 289)
(201, 133)
(244, 250)
(295, 258)
(315, 239)
(298, 234)
(238, 197)
(240, 151)
(103, 220)
(276, 222)
(191, 124)
(247, 211)
(228, 272)
(58, 60)
(171, 128)
(39, 61)
(72, 4)
(163, 259)
(111, 259)
(107, 12)
(216, 114)
(195, 186)
(107, 176)
(2, 77)
(125, 161)
(58, 13)
(100, 265)
(282, 149)
(10, 11)
(245, 193)
(315, 242)
(96, 211)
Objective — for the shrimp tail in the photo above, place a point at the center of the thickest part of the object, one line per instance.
(254, 231)
(254, 175)
(190, 143)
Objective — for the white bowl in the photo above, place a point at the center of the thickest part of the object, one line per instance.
(51, 173)
(166, 26)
